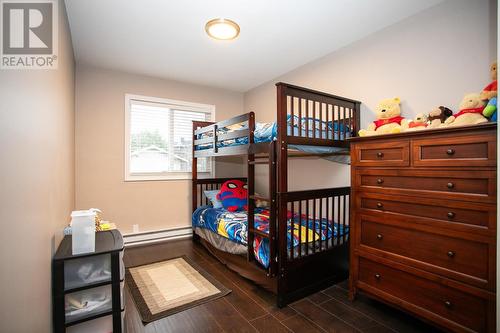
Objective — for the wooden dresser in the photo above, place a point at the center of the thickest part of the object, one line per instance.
(423, 219)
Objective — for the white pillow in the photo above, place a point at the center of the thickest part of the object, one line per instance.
(212, 197)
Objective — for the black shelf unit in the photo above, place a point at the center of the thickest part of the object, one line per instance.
(106, 242)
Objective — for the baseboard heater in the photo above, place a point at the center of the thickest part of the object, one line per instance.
(155, 236)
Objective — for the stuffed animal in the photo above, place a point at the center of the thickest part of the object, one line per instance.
(438, 116)
(234, 195)
(471, 112)
(417, 124)
(490, 90)
(389, 118)
(490, 110)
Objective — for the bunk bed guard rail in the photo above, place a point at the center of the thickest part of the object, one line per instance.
(315, 118)
(208, 139)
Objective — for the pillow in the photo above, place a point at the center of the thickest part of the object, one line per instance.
(212, 196)
(234, 195)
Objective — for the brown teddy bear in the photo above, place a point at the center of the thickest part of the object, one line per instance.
(389, 118)
(438, 116)
(471, 112)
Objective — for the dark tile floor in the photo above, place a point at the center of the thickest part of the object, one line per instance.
(249, 308)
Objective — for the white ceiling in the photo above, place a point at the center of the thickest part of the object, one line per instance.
(166, 38)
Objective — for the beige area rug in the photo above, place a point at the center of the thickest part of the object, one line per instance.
(163, 288)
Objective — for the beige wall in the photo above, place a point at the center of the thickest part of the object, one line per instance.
(100, 181)
(37, 184)
(430, 59)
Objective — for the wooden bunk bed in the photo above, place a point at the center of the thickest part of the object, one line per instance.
(292, 273)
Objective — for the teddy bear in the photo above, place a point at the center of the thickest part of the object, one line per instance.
(471, 112)
(438, 116)
(417, 124)
(389, 118)
(490, 90)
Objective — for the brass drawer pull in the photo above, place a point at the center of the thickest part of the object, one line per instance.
(380, 154)
(447, 304)
(451, 254)
(380, 181)
(380, 205)
(450, 152)
(377, 276)
(450, 185)
(379, 237)
(450, 215)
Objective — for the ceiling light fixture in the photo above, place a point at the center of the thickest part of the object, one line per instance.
(222, 29)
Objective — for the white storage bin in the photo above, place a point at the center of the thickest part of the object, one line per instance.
(99, 325)
(88, 270)
(89, 302)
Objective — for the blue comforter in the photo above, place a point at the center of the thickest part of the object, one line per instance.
(302, 230)
(267, 132)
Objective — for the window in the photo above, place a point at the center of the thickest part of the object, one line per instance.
(159, 138)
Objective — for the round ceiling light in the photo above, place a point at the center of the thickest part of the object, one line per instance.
(222, 29)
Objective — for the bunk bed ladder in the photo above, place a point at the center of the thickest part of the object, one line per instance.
(273, 255)
(272, 201)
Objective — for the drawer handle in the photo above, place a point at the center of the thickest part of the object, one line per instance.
(450, 151)
(380, 205)
(379, 237)
(377, 276)
(450, 185)
(380, 181)
(451, 254)
(447, 304)
(380, 154)
(450, 215)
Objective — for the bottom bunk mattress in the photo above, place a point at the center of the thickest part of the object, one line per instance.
(227, 231)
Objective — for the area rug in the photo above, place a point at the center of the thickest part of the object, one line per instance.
(163, 288)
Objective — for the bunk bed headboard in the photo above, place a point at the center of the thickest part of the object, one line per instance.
(197, 125)
(208, 134)
(313, 117)
(200, 185)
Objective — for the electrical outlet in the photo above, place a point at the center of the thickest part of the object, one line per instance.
(135, 228)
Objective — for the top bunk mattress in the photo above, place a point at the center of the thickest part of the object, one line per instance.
(267, 132)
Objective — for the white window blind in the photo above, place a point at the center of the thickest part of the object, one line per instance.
(159, 138)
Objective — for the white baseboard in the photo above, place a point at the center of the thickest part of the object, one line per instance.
(155, 236)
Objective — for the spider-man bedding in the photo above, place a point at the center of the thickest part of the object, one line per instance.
(233, 226)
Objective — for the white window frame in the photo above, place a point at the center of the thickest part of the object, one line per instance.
(171, 103)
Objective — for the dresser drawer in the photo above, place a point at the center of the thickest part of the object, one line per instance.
(457, 215)
(464, 185)
(448, 254)
(477, 150)
(429, 298)
(381, 154)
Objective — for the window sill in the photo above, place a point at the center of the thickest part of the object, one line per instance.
(179, 177)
